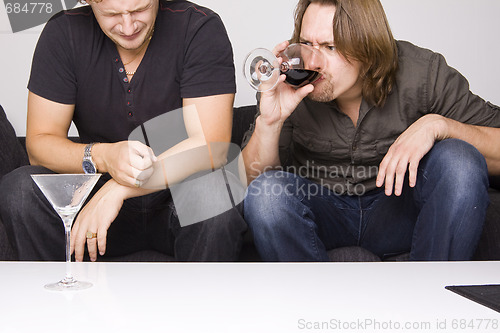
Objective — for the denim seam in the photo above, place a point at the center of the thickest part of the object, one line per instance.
(416, 192)
(419, 203)
(360, 226)
(312, 235)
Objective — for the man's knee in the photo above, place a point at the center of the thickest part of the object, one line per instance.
(269, 198)
(458, 163)
(17, 187)
(273, 185)
(459, 156)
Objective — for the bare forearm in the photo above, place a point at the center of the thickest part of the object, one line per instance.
(56, 153)
(173, 166)
(185, 159)
(261, 152)
(276, 105)
(485, 139)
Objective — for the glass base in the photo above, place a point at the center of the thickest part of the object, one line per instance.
(68, 284)
(261, 69)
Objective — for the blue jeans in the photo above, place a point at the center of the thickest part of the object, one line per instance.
(441, 218)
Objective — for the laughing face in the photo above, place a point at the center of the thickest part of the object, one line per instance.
(128, 23)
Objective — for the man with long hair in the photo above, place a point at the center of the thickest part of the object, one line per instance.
(387, 150)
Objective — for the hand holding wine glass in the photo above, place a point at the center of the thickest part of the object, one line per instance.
(297, 65)
(300, 63)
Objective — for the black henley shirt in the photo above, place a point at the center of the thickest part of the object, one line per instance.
(189, 56)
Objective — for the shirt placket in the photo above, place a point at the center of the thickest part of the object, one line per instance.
(129, 96)
(356, 152)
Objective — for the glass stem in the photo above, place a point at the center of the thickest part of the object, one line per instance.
(67, 231)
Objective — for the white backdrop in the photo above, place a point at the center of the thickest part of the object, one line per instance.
(465, 32)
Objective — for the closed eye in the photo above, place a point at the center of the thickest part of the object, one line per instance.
(329, 47)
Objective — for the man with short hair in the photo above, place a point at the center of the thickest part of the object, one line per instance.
(110, 67)
(387, 150)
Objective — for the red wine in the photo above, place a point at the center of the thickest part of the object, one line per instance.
(300, 77)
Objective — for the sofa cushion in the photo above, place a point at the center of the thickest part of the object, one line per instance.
(351, 254)
(243, 118)
(12, 154)
(495, 182)
(489, 244)
(6, 250)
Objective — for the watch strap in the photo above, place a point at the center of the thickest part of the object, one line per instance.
(88, 151)
(87, 157)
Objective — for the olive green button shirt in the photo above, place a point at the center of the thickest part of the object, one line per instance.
(321, 143)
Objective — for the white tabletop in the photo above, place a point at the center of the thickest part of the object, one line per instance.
(247, 297)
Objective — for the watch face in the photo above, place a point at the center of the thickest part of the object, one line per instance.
(88, 167)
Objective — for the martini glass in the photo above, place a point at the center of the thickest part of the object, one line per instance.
(300, 63)
(67, 193)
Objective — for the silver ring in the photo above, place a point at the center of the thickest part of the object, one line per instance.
(137, 183)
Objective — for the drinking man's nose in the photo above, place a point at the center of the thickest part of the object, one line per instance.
(313, 60)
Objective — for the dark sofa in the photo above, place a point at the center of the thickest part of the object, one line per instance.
(14, 155)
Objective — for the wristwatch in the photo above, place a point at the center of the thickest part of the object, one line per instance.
(88, 165)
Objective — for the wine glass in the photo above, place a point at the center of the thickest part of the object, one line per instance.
(66, 193)
(300, 64)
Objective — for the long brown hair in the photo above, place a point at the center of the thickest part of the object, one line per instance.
(361, 32)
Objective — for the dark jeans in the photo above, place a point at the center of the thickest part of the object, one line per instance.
(144, 223)
(441, 218)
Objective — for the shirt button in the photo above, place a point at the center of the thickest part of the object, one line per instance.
(120, 70)
(129, 103)
(117, 59)
(130, 114)
(125, 80)
(129, 90)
